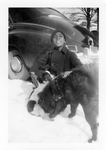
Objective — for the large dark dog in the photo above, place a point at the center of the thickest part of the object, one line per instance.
(79, 87)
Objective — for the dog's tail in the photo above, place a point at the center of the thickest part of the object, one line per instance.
(92, 72)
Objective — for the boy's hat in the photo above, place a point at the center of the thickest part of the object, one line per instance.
(56, 32)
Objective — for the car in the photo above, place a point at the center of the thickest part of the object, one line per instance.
(30, 30)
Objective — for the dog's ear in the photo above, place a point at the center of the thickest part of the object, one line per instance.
(30, 105)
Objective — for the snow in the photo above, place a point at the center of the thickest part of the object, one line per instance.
(89, 58)
(26, 128)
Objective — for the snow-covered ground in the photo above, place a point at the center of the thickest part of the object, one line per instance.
(27, 128)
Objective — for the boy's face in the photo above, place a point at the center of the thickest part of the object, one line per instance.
(58, 39)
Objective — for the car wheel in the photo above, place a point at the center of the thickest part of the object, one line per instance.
(16, 67)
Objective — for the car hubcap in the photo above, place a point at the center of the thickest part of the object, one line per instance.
(15, 65)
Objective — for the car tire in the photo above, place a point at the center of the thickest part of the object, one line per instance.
(16, 67)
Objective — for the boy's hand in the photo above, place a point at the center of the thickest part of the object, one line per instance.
(47, 77)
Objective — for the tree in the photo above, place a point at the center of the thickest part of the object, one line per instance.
(89, 13)
(97, 11)
(86, 17)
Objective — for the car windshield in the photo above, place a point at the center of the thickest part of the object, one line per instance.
(32, 14)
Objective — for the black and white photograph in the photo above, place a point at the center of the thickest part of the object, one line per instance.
(53, 76)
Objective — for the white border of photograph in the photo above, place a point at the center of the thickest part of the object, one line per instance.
(4, 145)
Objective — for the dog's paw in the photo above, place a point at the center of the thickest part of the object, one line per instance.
(92, 140)
(46, 117)
(51, 119)
(52, 115)
(71, 115)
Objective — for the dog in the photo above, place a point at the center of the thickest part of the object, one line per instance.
(80, 86)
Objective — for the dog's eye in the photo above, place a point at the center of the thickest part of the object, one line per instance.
(40, 100)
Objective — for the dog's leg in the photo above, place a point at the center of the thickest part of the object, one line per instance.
(46, 117)
(91, 116)
(73, 110)
(60, 106)
(94, 132)
(73, 102)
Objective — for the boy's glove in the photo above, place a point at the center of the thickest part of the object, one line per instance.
(47, 76)
(44, 77)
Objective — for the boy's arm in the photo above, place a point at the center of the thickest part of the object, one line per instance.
(39, 65)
